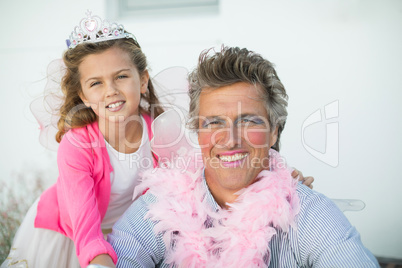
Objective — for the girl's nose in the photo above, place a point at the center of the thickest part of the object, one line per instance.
(111, 90)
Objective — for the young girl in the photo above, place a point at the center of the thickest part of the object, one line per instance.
(104, 130)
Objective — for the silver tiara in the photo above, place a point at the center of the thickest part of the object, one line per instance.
(93, 29)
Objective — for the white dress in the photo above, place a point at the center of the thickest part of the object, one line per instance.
(41, 248)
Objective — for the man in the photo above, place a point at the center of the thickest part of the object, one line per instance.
(242, 209)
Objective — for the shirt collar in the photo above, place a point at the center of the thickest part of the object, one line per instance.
(209, 199)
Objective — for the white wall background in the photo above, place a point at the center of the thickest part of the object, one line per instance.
(324, 51)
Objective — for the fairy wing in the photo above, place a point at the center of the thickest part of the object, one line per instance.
(171, 86)
(46, 108)
(173, 141)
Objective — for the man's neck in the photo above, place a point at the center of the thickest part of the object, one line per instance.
(222, 198)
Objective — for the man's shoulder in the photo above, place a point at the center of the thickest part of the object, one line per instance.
(141, 204)
(135, 217)
(305, 192)
(313, 199)
(317, 211)
(133, 236)
(324, 236)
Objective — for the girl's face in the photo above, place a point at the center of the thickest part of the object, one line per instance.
(111, 85)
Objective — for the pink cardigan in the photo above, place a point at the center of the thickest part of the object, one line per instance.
(77, 203)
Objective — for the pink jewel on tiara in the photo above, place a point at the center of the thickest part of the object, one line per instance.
(93, 29)
(90, 25)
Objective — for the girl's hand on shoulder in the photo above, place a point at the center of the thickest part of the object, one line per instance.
(308, 181)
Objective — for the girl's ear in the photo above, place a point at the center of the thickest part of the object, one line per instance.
(144, 81)
(84, 100)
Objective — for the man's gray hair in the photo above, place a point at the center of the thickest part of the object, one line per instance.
(232, 65)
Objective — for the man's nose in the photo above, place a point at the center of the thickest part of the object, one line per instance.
(230, 137)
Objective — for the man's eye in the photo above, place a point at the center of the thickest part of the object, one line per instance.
(212, 123)
(122, 76)
(251, 121)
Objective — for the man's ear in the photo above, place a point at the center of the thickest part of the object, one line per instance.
(144, 81)
(273, 137)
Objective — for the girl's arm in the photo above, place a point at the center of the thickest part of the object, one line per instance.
(82, 191)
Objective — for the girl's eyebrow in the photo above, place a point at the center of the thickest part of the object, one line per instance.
(91, 78)
(122, 70)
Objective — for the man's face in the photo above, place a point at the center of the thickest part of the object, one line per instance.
(234, 136)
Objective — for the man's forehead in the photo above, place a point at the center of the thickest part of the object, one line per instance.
(245, 88)
(248, 91)
(233, 101)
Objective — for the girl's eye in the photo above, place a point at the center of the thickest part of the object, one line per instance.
(122, 76)
(95, 83)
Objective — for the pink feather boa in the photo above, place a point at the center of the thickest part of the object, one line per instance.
(239, 236)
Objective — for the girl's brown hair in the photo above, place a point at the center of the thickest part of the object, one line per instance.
(73, 112)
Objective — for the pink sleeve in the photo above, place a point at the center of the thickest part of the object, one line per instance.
(79, 207)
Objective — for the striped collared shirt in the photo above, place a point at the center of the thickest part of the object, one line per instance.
(323, 238)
